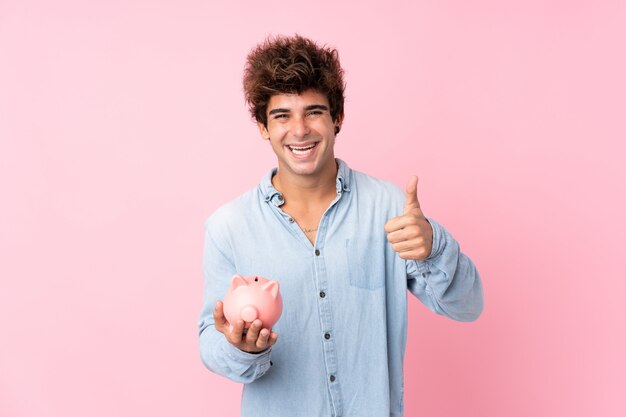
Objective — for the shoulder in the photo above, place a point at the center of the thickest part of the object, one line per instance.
(372, 187)
(226, 216)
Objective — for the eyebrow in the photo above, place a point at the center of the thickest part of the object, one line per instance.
(307, 108)
(316, 107)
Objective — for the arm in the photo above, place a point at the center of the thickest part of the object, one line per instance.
(442, 277)
(447, 282)
(217, 353)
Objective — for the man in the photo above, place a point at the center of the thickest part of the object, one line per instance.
(344, 246)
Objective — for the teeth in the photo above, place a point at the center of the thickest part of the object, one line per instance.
(301, 151)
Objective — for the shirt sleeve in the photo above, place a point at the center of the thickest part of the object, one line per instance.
(447, 282)
(217, 354)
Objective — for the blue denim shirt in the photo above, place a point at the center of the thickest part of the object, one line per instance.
(342, 334)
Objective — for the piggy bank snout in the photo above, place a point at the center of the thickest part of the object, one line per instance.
(249, 313)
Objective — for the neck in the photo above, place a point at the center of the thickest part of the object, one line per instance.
(306, 190)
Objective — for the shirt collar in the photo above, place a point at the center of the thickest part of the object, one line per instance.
(343, 176)
(272, 195)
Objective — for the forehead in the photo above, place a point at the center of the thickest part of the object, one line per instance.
(297, 101)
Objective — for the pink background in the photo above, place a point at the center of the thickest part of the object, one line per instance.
(122, 127)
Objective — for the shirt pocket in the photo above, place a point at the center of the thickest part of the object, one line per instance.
(366, 262)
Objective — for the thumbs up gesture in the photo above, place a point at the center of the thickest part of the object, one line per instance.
(410, 234)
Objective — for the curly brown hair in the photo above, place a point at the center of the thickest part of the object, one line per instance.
(292, 64)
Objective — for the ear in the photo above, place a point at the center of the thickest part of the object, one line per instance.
(271, 287)
(238, 281)
(263, 130)
(338, 123)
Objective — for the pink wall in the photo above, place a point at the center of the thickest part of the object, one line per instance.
(122, 126)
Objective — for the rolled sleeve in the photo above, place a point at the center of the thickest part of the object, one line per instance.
(217, 354)
(447, 282)
(225, 359)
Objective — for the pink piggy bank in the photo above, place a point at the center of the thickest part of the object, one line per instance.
(251, 298)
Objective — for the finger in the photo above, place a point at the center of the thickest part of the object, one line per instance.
(418, 254)
(400, 222)
(253, 332)
(396, 223)
(263, 339)
(218, 316)
(273, 339)
(408, 232)
(409, 245)
(236, 335)
(411, 201)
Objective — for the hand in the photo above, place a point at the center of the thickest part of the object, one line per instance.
(411, 235)
(255, 340)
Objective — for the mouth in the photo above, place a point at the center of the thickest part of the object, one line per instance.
(302, 150)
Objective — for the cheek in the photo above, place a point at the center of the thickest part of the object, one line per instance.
(276, 132)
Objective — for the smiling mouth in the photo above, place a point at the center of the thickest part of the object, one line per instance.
(301, 150)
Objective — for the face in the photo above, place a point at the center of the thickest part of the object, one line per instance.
(302, 133)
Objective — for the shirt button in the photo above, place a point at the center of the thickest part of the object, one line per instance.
(327, 336)
(424, 274)
(322, 294)
(332, 378)
(317, 252)
(291, 220)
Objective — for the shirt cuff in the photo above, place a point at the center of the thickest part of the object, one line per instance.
(422, 268)
(261, 360)
(439, 240)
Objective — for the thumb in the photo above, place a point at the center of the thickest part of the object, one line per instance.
(411, 201)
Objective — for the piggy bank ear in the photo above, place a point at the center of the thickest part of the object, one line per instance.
(237, 282)
(271, 287)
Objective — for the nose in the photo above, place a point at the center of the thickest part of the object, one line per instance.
(299, 127)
